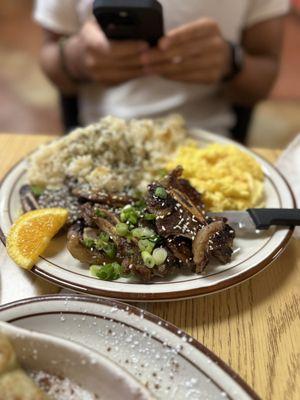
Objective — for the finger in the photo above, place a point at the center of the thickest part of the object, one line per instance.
(94, 37)
(187, 66)
(98, 43)
(201, 28)
(118, 75)
(123, 49)
(112, 63)
(207, 77)
(203, 48)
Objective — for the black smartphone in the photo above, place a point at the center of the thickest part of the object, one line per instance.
(130, 19)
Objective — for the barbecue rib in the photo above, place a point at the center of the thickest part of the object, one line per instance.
(181, 219)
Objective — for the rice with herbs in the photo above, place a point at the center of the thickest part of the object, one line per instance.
(112, 154)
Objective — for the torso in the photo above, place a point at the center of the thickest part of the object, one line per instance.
(150, 96)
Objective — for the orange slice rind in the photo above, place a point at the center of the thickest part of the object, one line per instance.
(31, 234)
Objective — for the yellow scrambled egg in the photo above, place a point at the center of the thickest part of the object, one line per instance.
(228, 178)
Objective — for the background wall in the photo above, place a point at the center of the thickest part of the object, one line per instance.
(29, 103)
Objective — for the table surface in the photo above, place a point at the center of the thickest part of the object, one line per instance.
(254, 327)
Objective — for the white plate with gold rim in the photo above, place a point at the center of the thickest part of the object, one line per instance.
(252, 253)
(170, 363)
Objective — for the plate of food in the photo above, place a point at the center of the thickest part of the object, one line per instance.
(164, 360)
(131, 202)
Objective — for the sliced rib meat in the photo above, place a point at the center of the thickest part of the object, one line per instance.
(183, 192)
(85, 193)
(180, 218)
(214, 239)
(181, 249)
(28, 200)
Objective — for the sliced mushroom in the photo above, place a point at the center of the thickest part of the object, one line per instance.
(80, 251)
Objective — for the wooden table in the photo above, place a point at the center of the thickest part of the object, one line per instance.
(253, 327)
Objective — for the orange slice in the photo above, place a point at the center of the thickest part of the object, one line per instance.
(31, 234)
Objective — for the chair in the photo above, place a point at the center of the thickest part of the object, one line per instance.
(243, 119)
(69, 111)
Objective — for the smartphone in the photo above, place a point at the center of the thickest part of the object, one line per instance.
(130, 19)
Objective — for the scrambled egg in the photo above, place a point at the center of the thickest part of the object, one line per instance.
(228, 178)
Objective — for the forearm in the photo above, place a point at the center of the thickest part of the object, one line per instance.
(88, 56)
(51, 63)
(262, 44)
(256, 80)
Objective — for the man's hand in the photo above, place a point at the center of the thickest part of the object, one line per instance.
(91, 56)
(195, 53)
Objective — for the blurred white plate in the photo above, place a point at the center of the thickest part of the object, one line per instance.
(252, 253)
(62, 358)
(170, 363)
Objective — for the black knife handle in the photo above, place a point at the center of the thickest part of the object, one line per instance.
(265, 217)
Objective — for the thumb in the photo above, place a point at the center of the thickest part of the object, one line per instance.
(95, 36)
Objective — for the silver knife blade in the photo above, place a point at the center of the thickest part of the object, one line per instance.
(237, 219)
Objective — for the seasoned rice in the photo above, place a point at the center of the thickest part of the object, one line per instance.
(113, 154)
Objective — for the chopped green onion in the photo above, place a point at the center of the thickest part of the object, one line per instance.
(140, 205)
(154, 239)
(99, 244)
(137, 232)
(118, 269)
(122, 229)
(110, 249)
(160, 255)
(100, 213)
(94, 269)
(123, 216)
(133, 218)
(143, 233)
(103, 243)
(149, 217)
(88, 242)
(129, 214)
(161, 192)
(104, 237)
(146, 245)
(103, 274)
(148, 259)
(107, 272)
(128, 207)
(37, 190)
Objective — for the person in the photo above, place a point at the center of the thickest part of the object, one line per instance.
(213, 54)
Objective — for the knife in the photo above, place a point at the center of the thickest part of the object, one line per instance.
(260, 218)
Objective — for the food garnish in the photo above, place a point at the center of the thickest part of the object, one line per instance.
(31, 234)
(161, 193)
(107, 272)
